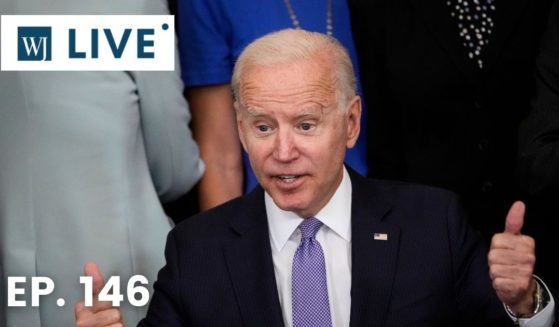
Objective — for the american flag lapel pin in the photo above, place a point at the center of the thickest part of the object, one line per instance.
(380, 237)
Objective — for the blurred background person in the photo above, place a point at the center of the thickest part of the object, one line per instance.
(80, 151)
(449, 82)
(212, 34)
(539, 154)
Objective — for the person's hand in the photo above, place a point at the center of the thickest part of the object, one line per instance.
(511, 263)
(100, 313)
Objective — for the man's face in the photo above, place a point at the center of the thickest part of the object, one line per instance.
(295, 132)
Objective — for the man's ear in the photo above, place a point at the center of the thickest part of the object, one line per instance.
(353, 121)
(240, 128)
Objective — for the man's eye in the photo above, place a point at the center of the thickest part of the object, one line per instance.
(306, 126)
(263, 128)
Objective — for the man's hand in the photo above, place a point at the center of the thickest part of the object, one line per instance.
(511, 263)
(100, 313)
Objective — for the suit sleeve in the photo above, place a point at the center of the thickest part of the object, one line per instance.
(205, 41)
(539, 134)
(173, 156)
(165, 306)
(477, 301)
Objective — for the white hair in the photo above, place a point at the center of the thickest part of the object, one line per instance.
(291, 45)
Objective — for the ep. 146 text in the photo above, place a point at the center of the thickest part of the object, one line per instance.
(136, 293)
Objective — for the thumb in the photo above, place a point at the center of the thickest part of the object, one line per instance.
(515, 218)
(92, 269)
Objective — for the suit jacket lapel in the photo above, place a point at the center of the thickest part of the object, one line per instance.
(250, 264)
(373, 261)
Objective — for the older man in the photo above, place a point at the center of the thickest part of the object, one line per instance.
(318, 245)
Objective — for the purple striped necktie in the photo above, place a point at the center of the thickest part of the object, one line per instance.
(309, 290)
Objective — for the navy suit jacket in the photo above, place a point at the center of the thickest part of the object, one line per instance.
(432, 270)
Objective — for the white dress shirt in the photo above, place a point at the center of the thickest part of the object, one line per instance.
(544, 318)
(335, 239)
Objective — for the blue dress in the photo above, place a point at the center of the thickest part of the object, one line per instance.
(212, 34)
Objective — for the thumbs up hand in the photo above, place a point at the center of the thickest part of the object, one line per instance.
(511, 263)
(100, 313)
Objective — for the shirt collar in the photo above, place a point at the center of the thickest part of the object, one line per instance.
(336, 215)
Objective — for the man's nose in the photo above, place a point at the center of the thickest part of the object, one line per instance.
(285, 148)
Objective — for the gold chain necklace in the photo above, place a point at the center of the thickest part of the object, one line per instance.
(295, 20)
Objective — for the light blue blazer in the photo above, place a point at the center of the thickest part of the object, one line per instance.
(85, 158)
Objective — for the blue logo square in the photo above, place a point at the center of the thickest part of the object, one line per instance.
(34, 44)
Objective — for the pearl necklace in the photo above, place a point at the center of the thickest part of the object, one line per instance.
(295, 20)
(475, 24)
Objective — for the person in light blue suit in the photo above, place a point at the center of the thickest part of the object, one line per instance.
(86, 159)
